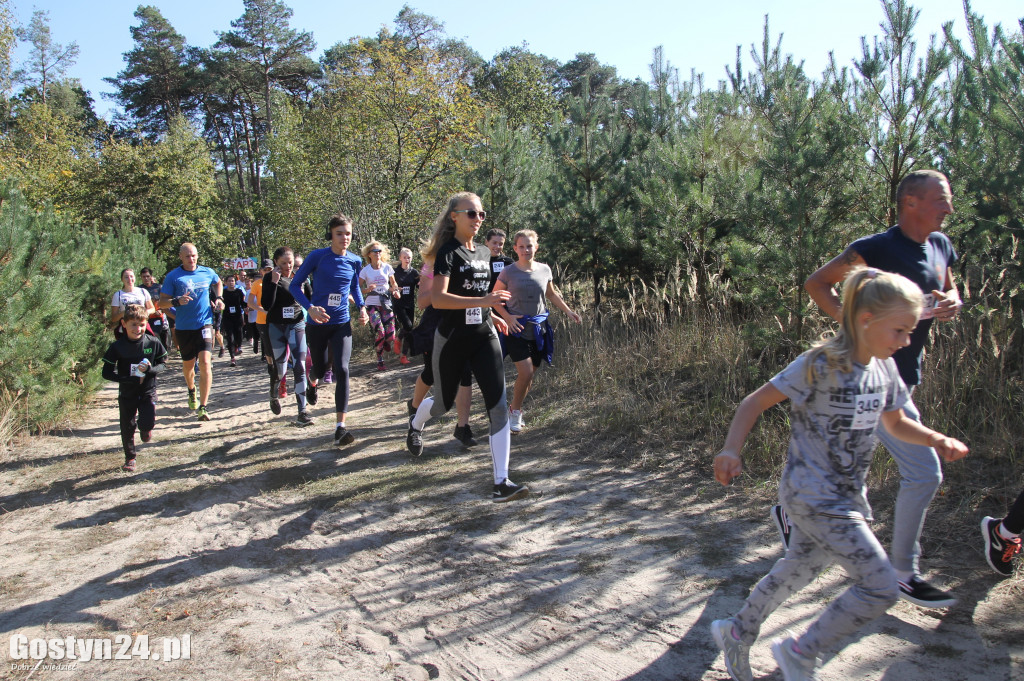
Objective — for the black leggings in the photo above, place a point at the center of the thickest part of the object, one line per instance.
(427, 375)
(337, 338)
(405, 318)
(232, 330)
(478, 348)
(1014, 520)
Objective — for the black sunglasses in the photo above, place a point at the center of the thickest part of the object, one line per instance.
(472, 214)
(376, 250)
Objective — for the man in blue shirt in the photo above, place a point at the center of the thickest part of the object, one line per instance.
(187, 289)
(917, 249)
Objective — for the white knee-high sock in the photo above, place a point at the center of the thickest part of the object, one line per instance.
(501, 444)
(422, 414)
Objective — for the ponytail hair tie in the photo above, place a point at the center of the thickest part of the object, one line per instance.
(872, 272)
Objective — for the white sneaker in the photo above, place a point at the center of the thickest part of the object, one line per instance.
(793, 665)
(736, 653)
(515, 420)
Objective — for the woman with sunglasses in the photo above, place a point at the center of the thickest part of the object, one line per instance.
(377, 281)
(466, 333)
(422, 339)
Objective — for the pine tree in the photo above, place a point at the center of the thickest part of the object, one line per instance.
(158, 82)
(806, 154)
(47, 60)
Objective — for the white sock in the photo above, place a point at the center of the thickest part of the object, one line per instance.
(422, 414)
(501, 444)
(341, 424)
(1006, 534)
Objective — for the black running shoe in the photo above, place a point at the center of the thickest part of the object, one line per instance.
(343, 437)
(464, 435)
(145, 435)
(275, 405)
(782, 524)
(414, 440)
(920, 592)
(311, 396)
(507, 491)
(221, 353)
(304, 419)
(999, 552)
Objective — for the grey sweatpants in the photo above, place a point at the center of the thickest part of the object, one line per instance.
(817, 541)
(920, 477)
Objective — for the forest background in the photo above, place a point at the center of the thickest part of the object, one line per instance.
(682, 216)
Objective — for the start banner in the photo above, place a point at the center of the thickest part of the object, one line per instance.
(239, 264)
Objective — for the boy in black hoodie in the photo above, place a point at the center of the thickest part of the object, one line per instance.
(133, 361)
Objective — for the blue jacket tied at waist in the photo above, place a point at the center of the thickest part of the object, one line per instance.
(543, 334)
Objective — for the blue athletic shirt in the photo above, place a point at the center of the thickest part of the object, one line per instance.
(197, 313)
(925, 265)
(334, 277)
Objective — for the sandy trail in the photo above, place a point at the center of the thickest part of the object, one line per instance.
(280, 556)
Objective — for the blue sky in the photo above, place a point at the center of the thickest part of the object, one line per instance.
(695, 35)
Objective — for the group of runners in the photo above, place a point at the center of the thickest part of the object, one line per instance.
(469, 294)
(479, 306)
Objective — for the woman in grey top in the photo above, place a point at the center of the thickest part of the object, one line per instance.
(529, 335)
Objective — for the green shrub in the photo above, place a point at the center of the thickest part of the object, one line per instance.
(55, 280)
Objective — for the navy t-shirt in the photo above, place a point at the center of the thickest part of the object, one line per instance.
(925, 265)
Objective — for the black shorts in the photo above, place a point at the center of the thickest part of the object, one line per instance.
(519, 349)
(192, 342)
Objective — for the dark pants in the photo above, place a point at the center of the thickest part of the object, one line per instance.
(335, 339)
(232, 330)
(144, 406)
(406, 320)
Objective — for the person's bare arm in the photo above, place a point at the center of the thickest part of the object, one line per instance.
(442, 300)
(218, 291)
(511, 323)
(947, 301)
(728, 463)
(821, 285)
(908, 430)
(423, 301)
(555, 297)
